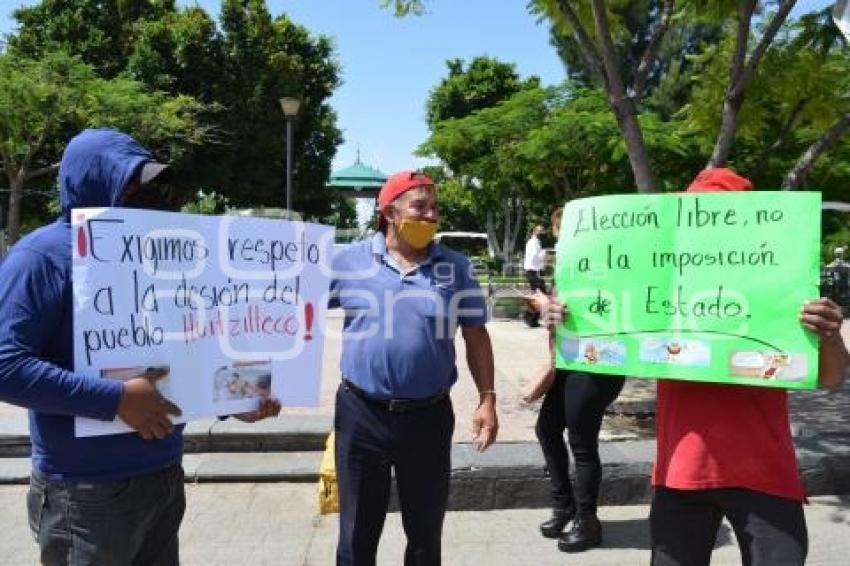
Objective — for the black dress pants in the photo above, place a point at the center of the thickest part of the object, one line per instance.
(576, 403)
(370, 443)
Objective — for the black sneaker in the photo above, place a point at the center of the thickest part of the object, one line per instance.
(585, 533)
(555, 526)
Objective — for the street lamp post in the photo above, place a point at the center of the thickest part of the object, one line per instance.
(290, 110)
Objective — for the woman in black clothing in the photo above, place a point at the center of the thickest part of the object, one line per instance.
(575, 402)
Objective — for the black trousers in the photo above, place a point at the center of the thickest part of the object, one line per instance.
(683, 525)
(370, 443)
(534, 280)
(576, 403)
(532, 317)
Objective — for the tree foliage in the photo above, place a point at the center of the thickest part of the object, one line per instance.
(731, 79)
(476, 145)
(482, 84)
(236, 70)
(45, 101)
(534, 148)
(644, 53)
(100, 32)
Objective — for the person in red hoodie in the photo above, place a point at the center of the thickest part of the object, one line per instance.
(726, 451)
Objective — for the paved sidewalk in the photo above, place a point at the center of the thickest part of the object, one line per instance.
(518, 352)
(510, 475)
(276, 524)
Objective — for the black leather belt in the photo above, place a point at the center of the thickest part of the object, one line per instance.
(396, 405)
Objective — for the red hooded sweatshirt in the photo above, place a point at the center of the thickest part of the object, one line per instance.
(724, 436)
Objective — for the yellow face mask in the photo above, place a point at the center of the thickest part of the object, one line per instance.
(417, 233)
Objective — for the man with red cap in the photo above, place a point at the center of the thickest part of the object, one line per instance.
(404, 297)
(727, 451)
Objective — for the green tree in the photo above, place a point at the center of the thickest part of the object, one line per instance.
(207, 203)
(100, 32)
(598, 27)
(480, 149)
(179, 52)
(484, 83)
(828, 77)
(56, 95)
(796, 107)
(37, 99)
(523, 152)
(722, 71)
(265, 59)
(238, 70)
(465, 92)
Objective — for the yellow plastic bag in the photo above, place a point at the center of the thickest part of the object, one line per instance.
(328, 494)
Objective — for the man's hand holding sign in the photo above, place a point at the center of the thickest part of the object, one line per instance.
(144, 409)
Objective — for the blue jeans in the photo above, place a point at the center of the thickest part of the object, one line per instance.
(128, 522)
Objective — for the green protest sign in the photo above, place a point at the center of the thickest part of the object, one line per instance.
(700, 286)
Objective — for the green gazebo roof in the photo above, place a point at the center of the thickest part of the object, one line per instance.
(357, 180)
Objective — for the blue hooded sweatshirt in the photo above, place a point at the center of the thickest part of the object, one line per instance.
(36, 329)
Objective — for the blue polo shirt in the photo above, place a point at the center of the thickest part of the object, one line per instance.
(399, 329)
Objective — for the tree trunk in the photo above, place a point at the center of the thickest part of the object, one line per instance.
(728, 128)
(798, 174)
(622, 105)
(741, 72)
(734, 98)
(586, 46)
(492, 238)
(650, 55)
(16, 191)
(506, 229)
(36, 173)
(506, 236)
(520, 210)
(624, 110)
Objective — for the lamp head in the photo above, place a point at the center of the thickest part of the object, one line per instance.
(290, 106)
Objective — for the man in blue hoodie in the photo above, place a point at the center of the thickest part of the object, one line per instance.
(102, 500)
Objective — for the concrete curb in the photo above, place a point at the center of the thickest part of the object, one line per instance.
(253, 467)
(512, 475)
(285, 434)
(508, 476)
(291, 433)
(300, 433)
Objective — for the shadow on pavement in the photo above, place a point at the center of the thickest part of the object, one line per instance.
(629, 533)
(839, 508)
(634, 534)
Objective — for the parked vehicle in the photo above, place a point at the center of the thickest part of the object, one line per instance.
(472, 244)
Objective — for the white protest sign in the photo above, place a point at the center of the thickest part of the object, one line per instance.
(218, 311)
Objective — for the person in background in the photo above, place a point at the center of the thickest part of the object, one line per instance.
(404, 297)
(106, 500)
(726, 451)
(575, 402)
(533, 264)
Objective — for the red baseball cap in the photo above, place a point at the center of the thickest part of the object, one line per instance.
(719, 179)
(398, 184)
